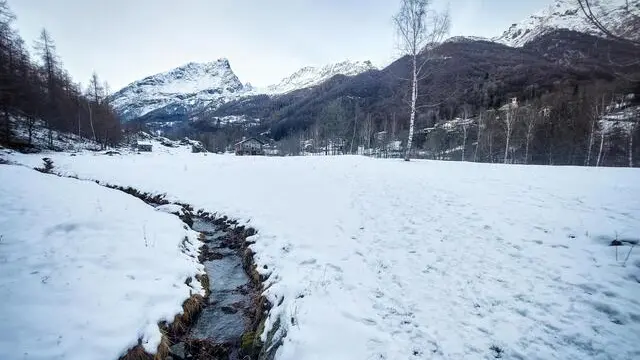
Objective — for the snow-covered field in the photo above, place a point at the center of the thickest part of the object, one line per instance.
(383, 259)
(86, 271)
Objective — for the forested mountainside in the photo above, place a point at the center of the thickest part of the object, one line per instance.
(37, 89)
(565, 71)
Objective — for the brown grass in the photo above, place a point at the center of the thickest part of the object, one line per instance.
(181, 323)
(136, 353)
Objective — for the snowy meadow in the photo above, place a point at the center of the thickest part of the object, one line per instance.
(384, 259)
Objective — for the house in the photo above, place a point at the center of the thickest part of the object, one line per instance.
(144, 146)
(249, 146)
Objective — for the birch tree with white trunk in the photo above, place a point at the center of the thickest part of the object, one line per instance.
(597, 113)
(419, 28)
(631, 129)
(481, 125)
(601, 149)
(531, 121)
(509, 120)
(466, 113)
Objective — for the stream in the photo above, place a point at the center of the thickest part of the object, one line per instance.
(227, 316)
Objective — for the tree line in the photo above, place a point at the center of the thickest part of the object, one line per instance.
(38, 90)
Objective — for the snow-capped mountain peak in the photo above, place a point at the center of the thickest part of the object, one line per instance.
(311, 76)
(567, 14)
(193, 85)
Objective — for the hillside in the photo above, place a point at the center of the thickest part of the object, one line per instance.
(484, 73)
(568, 15)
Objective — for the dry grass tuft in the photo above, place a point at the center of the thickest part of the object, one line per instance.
(204, 281)
(136, 353)
(182, 322)
(180, 325)
(163, 348)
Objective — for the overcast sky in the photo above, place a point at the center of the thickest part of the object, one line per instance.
(126, 40)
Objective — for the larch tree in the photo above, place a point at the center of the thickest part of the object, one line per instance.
(95, 93)
(419, 28)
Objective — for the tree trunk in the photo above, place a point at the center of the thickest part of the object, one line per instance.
(526, 150)
(601, 147)
(593, 126)
(30, 124)
(506, 146)
(91, 122)
(464, 140)
(414, 99)
(353, 138)
(491, 146)
(631, 147)
(7, 125)
(475, 154)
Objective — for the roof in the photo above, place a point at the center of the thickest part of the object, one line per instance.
(251, 138)
(144, 143)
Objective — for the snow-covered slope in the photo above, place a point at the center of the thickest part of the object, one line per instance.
(192, 86)
(567, 14)
(383, 259)
(196, 86)
(310, 76)
(86, 272)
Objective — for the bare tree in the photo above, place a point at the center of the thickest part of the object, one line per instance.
(631, 129)
(466, 113)
(509, 120)
(95, 93)
(419, 28)
(481, 125)
(602, 134)
(531, 118)
(597, 112)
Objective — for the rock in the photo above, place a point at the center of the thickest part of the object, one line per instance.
(197, 147)
(228, 310)
(178, 351)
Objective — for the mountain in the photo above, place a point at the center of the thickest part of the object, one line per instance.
(311, 76)
(188, 87)
(481, 73)
(567, 14)
(178, 94)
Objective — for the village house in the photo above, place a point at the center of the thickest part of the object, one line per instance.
(249, 146)
(144, 146)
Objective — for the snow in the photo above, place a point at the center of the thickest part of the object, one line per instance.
(567, 14)
(311, 76)
(383, 259)
(40, 137)
(86, 271)
(193, 84)
(209, 85)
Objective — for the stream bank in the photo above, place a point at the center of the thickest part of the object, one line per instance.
(227, 322)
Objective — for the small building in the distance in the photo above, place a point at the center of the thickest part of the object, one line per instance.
(144, 146)
(249, 146)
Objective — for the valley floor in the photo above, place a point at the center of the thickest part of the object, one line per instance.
(383, 259)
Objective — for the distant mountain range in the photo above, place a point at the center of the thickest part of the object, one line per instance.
(195, 86)
(189, 91)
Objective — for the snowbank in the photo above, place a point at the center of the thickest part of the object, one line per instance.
(383, 259)
(85, 271)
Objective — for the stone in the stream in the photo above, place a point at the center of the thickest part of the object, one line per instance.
(178, 351)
